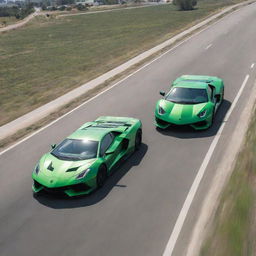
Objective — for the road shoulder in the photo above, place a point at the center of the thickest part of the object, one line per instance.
(211, 202)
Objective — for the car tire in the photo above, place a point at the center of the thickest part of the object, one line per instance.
(138, 139)
(213, 117)
(36, 194)
(101, 176)
(159, 129)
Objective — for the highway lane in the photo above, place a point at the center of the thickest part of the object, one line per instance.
(135, 212)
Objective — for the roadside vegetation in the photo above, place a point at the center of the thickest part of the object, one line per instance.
(234, 224)
(5, 21)
(18, 12)
(185, 5)
(51, 55)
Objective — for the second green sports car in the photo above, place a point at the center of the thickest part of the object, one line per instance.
(192, 100)
(82, 162)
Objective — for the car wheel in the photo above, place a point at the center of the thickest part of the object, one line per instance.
(101, 176)
(213, 116)
(36, 194)
(159, 129)
(222, 95)
(138, 139)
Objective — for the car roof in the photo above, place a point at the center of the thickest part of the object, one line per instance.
(96, 130)
(191, 84)
(95, 134)
(199, 78)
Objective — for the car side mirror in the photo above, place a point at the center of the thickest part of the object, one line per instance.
(53, 146)
(217, 97)
(162, 93)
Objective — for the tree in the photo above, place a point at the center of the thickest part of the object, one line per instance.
(62, 8)
(14, 11)
(81, 7)
(43, 6)
(110, 1)
(185, 5)
(17, 16)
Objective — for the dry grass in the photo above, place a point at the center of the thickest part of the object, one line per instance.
(234, 223)
(5, 21)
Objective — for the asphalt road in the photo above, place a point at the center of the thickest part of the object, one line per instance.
(134, 214)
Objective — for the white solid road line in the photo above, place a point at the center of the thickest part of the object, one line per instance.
(84, 103)
(191, 194)
(209, 46)
(252, 65)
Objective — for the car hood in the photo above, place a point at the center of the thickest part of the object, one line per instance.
(181, 113)
(57, 172)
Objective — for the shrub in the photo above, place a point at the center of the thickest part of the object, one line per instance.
(62, 8)
(81, 7)
(110, 2)
(44, 7)
(185, 5)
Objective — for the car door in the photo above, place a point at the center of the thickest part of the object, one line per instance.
(108, 157)
(211, 93)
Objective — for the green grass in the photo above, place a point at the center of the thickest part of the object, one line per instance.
(234, 225)
(8, 20)
(49, 57)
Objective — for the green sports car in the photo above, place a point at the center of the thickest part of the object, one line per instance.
(82, 162)
(192, 100)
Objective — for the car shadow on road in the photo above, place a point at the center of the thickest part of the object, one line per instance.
(187, 132)
(58, 202)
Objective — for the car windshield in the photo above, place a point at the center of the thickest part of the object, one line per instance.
(187, 95)
(74, 150)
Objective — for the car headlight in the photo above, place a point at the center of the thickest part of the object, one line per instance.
(82, 174)
(37, 169)
(161, 111)
(202, 114)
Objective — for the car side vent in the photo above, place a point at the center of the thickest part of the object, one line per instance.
(50, 167)
(72, 169)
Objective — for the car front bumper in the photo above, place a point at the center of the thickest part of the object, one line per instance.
(200, 124)
(70, 190)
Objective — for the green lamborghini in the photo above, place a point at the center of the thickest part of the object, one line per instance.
(192, 100)
(82, 162)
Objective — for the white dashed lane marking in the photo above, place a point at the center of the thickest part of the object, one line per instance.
(208, 47)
